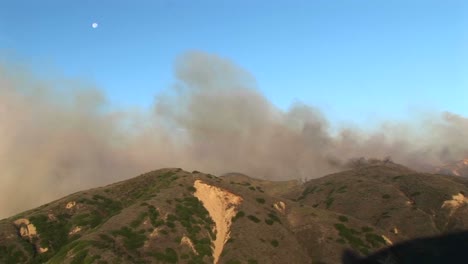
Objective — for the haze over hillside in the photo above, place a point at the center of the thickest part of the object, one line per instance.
(174, 216)
(58, 135)
(456, 168)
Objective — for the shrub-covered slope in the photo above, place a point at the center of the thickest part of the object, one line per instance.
(174, 216)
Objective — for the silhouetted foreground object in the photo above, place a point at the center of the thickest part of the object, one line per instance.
(450, 248)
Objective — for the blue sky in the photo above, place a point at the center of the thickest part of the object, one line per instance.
(355, 60)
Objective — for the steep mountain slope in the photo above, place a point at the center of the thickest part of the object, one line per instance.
(393, 198)
(165, 216)
(174, 216)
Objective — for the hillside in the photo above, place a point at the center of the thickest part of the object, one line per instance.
(457, 168)
(174, 216)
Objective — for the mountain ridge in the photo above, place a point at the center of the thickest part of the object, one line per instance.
(174, 216)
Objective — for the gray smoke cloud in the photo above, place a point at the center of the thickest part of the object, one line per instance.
(213, 119)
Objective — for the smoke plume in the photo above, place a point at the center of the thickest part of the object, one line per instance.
(57, 137)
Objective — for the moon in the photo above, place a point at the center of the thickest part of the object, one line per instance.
(94, 25)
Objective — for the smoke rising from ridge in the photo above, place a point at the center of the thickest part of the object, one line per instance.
(213, 119)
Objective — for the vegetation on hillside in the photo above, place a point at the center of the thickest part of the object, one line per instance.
(155, 218)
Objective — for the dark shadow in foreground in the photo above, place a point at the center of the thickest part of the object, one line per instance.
(449, 248)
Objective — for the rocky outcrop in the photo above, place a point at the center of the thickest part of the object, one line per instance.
(28, 231)
(70, 205)
(186, 241)
(222, 207)
(75, 230)
(280, 207)
(456, 202)
(387, 240)
(26, 228)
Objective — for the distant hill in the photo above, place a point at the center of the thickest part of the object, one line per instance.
(175, 216)
(458, 168)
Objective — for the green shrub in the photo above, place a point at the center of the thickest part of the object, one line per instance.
(170, 224)
(260, 200)
(274, 243)
(307, 191)
(341, 241)
(153, 215)
(10, 254)
(253, 218)
(137, 222)
(80, 257)
(350, 235)
(187, 214)
(132, 240)
(92, 219)
(329, 202)
(342, 189)
(203, 247)
(107, 206)
(375, 240)
(385, 215)
(274, 217)
(76, 246)
(238, 215)
(107, 239)
(169, 256)
(53, 234)
(343, 218)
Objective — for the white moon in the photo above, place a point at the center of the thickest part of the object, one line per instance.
(95, 25)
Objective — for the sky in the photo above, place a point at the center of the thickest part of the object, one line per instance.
(357, 61)
(272, 89)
